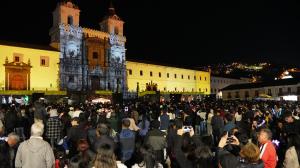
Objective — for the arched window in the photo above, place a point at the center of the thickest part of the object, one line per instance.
(70, 20)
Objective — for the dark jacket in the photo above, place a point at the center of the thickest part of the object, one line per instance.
(164, 121)
(75, 133)
(293, 127)
(10, 121)
(179, 155)
(103, 139)
(40, 111)
(4, 155)
(113, 121)
(259, 164)
(156, 139)
(217, 123)
(127, 144)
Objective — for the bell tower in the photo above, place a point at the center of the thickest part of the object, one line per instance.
(112, 23)
(65, 13)
(116, 74)
(66, 36)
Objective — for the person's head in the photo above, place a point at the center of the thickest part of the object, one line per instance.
(204, 157)
(228, 117)
(280, 124)
(155, 124)
(288, 117)
(13, 139)
(178, 124)
(147, 155)
(264, 135)
(75, 121)
(207, 140)
(37, 129)
(82, 118)
(255, 122)
(82, 145)
(228, 160)
(126, 123)
(105, 157)
(53, 113)
(250, 152)
(102, 129)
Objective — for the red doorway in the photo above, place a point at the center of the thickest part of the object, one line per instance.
(17, 76)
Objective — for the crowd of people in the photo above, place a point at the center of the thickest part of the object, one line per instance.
(143, 134)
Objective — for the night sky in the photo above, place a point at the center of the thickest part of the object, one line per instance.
(191, 33)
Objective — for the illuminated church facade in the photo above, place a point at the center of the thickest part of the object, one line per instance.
(89, 59)
(81, 59)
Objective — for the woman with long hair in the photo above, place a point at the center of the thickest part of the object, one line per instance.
(204, 157)
(292, 155)
(105, 158)
(147, 158)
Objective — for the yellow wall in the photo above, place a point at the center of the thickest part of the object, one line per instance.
(170, 83)
(40, 77)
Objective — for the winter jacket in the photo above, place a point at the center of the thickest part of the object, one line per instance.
(157, 139)
(291, 158)
(293, 127)
(35, 153)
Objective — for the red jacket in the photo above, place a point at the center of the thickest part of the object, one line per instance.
(268, 155)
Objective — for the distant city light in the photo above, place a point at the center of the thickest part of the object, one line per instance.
(290, 98)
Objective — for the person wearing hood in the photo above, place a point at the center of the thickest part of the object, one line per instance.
(35, 152)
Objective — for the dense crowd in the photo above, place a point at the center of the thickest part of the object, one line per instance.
(195, 134)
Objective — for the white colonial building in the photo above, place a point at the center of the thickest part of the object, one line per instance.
(285, 89)
(219, 82)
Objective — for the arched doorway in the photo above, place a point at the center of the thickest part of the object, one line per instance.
(17, 76)
(95, 82)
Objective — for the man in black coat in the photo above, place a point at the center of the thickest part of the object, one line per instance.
(291, 125)
(157, 140)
